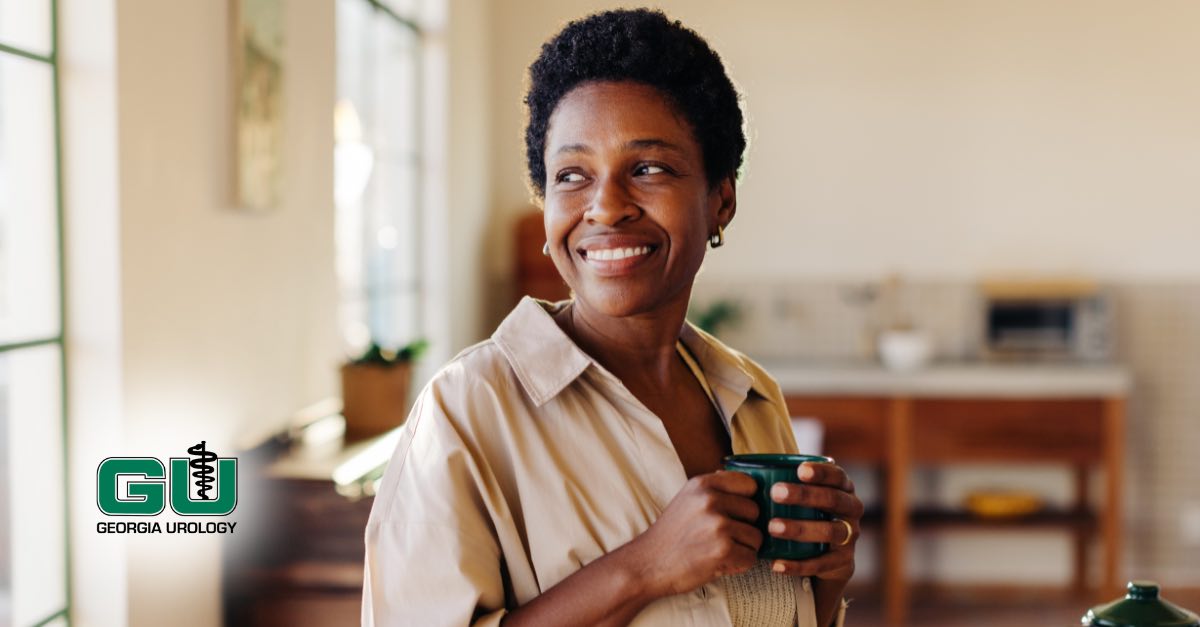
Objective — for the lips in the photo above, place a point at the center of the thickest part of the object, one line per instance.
(615, 255)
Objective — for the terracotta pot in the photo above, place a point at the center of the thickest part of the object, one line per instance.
(374, 397)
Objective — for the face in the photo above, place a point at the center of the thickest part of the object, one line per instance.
(628, 207)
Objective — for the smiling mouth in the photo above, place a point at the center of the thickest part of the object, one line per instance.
(616, 254)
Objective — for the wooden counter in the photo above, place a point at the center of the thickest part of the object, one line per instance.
(1073, 415)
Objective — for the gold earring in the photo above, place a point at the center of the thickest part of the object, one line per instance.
(718, 240)
(546, 249)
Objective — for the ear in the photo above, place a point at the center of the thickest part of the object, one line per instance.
(723, 198)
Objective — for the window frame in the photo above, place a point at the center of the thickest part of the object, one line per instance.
(56, 340)
(417, 285)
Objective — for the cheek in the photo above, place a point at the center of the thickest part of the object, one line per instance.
(558, 222)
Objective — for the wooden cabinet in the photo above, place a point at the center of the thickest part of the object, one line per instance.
(894, 433)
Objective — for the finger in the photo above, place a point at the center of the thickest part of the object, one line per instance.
(741, 559)
(831, 500)
(815, 566)
(738, 507)
(745, 534)
(832, 533)
(821, 473)
(733, 482)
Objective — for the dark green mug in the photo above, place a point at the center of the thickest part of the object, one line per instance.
(767, 470)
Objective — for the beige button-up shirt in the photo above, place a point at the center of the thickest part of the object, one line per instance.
(523, 460)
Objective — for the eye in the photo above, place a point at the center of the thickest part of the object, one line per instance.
(644, 169)
(568, 177)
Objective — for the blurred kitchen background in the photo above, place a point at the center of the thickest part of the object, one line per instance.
(966, 246)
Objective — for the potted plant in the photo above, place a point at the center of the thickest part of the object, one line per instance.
(375, 388)
(716, 316)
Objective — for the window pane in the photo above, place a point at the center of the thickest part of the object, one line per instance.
(404, 8)
(25, 24)
(28, 235)
(61, 621)
(393, 218)
(377, 164)
(396, 313)
(31, 450)
(392, 121)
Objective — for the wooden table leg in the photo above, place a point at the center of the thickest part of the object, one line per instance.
(895, 534)
(1081, 535)
(1112, 528)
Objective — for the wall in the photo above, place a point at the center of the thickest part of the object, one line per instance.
(941, 139)
(219, 323)
(457, 226)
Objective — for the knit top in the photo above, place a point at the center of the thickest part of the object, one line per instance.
(758, 597)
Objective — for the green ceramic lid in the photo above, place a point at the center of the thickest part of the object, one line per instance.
(1141, 607)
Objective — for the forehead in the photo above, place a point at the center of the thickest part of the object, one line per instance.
(613, 113)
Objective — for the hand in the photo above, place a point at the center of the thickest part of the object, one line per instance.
(706, 531)
(827, 488)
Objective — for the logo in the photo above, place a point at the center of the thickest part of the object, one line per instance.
(142, 486)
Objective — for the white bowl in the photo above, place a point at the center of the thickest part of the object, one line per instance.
(904, 350)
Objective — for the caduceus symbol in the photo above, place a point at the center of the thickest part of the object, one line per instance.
(202, 468)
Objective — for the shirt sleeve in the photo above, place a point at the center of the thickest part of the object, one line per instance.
(432, 557)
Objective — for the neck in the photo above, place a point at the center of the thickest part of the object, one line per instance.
(638, 347)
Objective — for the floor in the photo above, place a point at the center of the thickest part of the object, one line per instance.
(333, 611)
(961, 614)
(1017, 613)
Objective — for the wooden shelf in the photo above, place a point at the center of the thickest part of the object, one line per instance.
(942, 518)
(895, 432)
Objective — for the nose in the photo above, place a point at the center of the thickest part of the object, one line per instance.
(612, 203)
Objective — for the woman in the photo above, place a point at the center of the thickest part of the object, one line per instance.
(567, 471)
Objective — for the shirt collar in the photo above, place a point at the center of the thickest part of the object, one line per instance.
(725, 369)
(542, 355)
(546, 360)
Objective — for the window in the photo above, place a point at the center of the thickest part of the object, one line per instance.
(33, 545)
(378, 172)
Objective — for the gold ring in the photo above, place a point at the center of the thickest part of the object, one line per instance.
(849, 532)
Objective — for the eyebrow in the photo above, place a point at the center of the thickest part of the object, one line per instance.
(632, 144)
(652, 143)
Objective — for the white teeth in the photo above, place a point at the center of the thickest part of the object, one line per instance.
(613, 254)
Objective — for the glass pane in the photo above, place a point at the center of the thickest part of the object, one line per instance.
(396, 313)
(354, 42)
(392, 247)
(394, 220)
(32, 563)
(377, 176)
(61, 621)
(404, 8)
(29, 290)
(392, 122)
(354, 161)
(25, 24)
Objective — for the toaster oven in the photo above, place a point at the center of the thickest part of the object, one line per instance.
(1046, 321)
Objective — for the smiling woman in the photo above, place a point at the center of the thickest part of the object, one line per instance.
(625, 175)
(567, 471)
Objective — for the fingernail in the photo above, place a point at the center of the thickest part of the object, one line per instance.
(776, 526)
(778, 567)
(779, 492)
(806, 471)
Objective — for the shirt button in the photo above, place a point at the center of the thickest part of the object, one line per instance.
(806, 584)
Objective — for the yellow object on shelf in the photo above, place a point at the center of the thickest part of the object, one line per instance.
(1003, 503)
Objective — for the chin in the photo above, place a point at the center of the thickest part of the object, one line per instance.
(620, 302)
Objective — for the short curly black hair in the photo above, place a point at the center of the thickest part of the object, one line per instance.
(645, 46)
